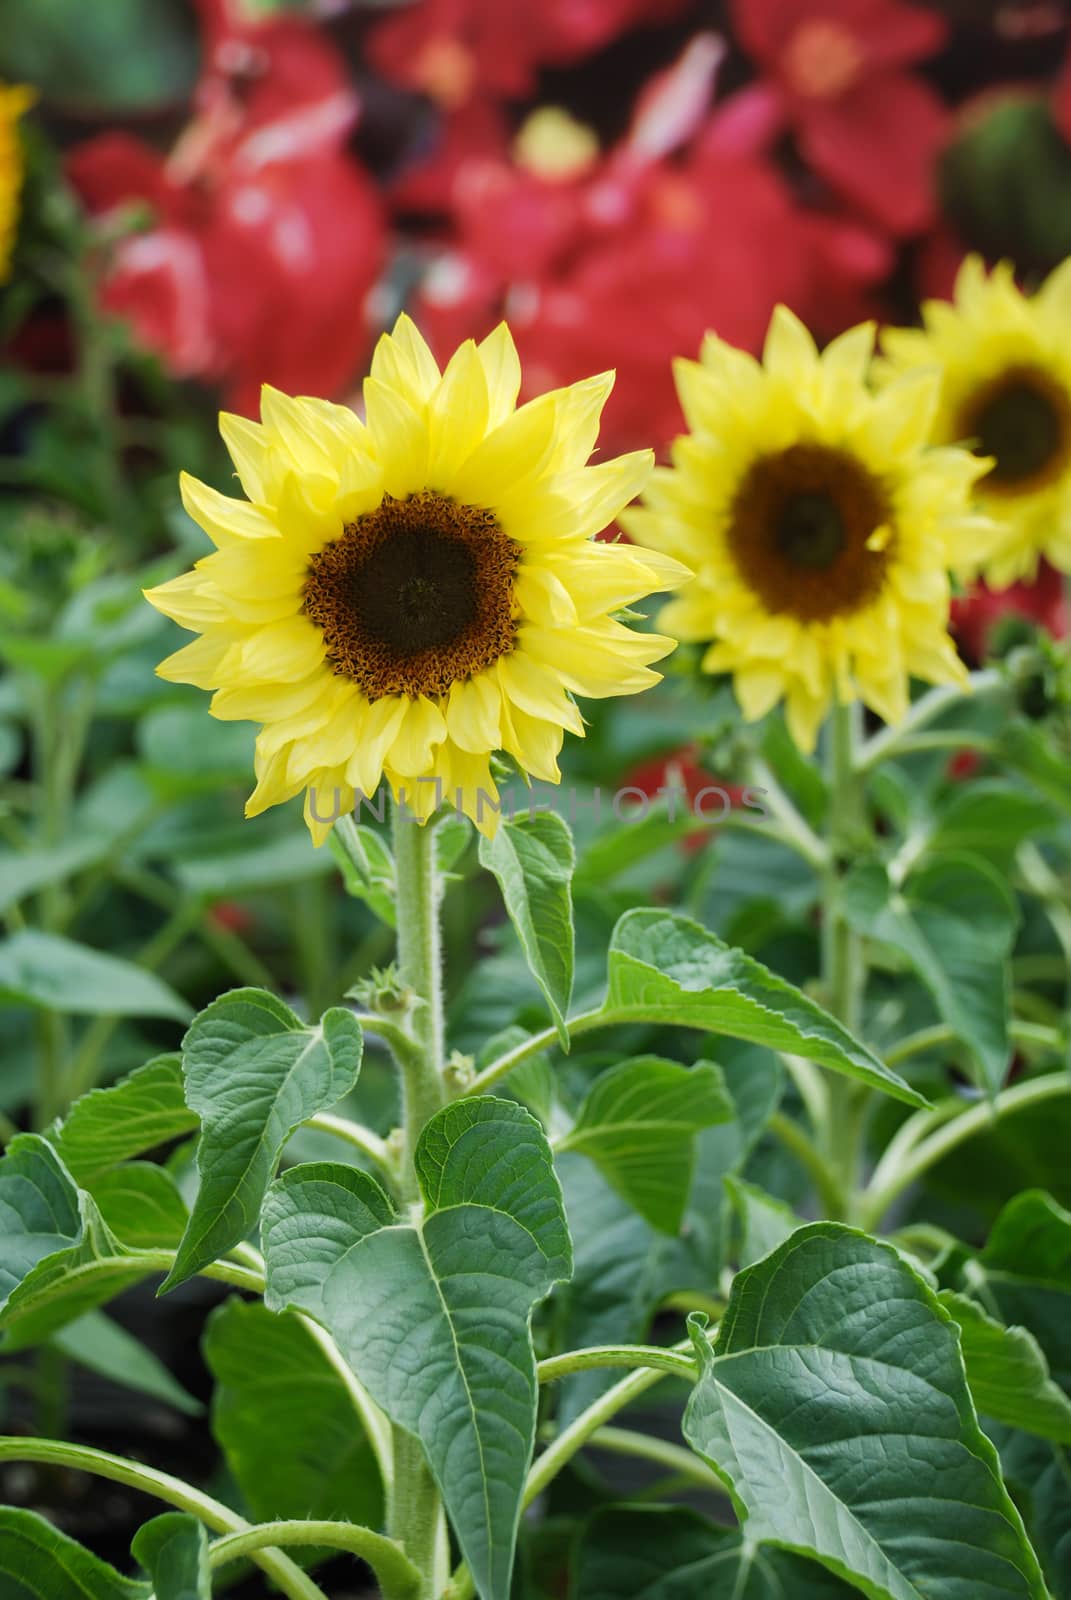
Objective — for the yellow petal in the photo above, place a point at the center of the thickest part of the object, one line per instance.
(400, 437)
(457, 416)
(502, 372)
(422, 728)
(253, 453)
(283, 652)
(379, 727)
(297, 429)
(473, 714)
(225, 521)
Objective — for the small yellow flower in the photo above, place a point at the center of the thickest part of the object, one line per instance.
(818, 526)
(13, 102)
(1004, 361)
(404, 596)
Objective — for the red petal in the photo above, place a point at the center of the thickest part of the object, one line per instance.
(878, 145)
(116, 167)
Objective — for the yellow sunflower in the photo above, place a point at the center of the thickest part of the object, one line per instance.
(13, 102)
(406, 595)
(817, 524)
(1005, 365)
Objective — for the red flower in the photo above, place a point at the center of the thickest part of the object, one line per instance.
(870, 129)
(625, 259)
(265, 235)
(452, 49)
(979, 616)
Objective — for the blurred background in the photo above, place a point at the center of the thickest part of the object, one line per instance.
(197, 196)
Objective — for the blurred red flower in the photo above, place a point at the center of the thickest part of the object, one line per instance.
(625, 258)
(453, 50)
(264, 236)
(978, 617)
(691, 787)
(835, 70)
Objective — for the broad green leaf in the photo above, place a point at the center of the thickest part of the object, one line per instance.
(955, 921)
(140, 1112)
(311, 1216)
(274, 1383)
(173, 1549)
(765, 1221)
(646, 1552)
(638, 1124)
(490, 1152)
(533, 860)
(37, 1562)
(39, 1210)
(63, 1274)
(234, 867)
(1038, 1475)
(534, 1081)
(992, 817)
(834, 1406)
(624, 1269)
(100, 1344)
(141, 1205)
(44, 969)
(435, 1318)
(181, 756)
(1024, 1273)
(367, 866)
(453, 833)
(254, 1073)
(1030, 750)
(666, 968)
(1007, 1372)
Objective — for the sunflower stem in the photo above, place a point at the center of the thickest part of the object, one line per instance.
(843, 965)
(414, 1515)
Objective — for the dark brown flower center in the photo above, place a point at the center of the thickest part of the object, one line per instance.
(802, 530)
(1023, 419)
(415, 596)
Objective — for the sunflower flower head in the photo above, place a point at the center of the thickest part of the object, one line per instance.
(404, 596)
(1004, 361)
(818, 525)
(14, 100)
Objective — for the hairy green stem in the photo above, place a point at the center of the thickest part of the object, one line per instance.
(286, 1574)
(796, 1140)
(663, 1452)
(843, 967)
(414, 1512)
(554, 1368)
(397, 1577)
(360, 1137)
(1031, 1035)
(908, 1158)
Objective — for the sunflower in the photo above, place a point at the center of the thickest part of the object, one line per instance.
(817, 524)
(13, 102)
(1005, 364)
(404, 596)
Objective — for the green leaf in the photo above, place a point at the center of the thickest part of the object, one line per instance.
(533, 860)
(1007, 1372)
(638, 1123)
(143, 1110)
(58, 1258)
(25, 872)
(311, 1217)
(992, 817)
(671, 1553)
(435, 1318)
(1038, 1475)
(367, 866)
(834, 1406)
(955, 921)
(37, 1562)
(275, 1383)
(46, 970)
(765, 1221)
(1025, 1274)
(141, 1205)
(666, 968)
(126, 57)
(100, 1344)
(173, 1549)
(254, 1073)
(624, 1269)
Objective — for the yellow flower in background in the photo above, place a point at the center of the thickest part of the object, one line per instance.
(817, 523)
(404, 596)
(13, 102)
(1004, 361)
